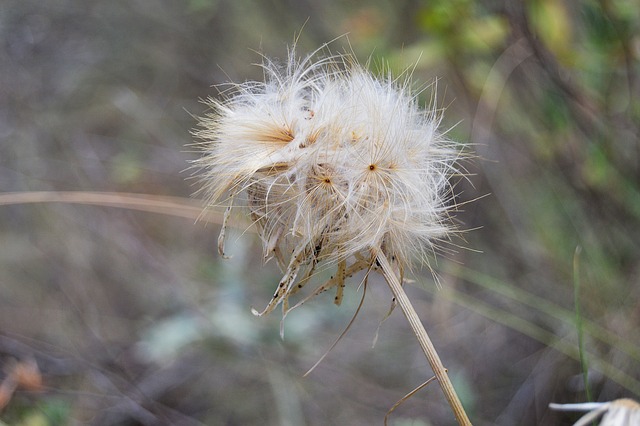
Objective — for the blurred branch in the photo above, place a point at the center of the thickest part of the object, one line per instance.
(625, 42)
(585, 111)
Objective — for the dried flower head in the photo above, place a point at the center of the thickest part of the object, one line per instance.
(621, 412)
(333, 164)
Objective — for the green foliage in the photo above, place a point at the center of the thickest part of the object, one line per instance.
(50, 411)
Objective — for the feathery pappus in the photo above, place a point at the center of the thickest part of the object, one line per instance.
(333, 164)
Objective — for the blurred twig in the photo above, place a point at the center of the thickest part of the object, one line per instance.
(167, 205)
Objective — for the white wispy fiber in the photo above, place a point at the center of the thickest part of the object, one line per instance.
(333, 164)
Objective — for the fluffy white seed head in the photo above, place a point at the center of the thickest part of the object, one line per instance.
(332, 163)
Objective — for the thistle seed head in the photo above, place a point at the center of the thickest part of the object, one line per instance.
(333, 164)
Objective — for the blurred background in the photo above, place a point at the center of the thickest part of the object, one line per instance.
(121, 317)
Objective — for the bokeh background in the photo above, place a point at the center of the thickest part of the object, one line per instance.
(133, 319)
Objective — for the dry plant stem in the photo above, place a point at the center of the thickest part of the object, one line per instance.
(424, 340)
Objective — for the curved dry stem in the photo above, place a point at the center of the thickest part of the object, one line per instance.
(353, 318)
(404, 398)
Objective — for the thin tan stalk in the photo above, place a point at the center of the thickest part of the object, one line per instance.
(423, 338)
(173, 206)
